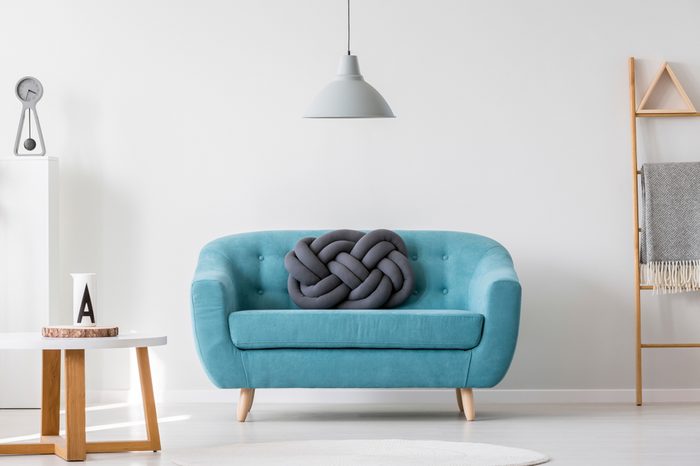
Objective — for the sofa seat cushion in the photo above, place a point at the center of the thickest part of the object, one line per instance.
(351, 328)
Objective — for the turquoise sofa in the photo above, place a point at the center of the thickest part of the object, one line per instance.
(458, 329)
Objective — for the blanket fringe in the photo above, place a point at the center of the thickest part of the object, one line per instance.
(672, 276)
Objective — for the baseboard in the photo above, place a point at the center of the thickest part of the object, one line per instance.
(344, 395)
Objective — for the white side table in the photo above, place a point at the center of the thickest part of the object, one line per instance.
(74, 447)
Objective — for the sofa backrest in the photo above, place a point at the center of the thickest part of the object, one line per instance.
(443, 263)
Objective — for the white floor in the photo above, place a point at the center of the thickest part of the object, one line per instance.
(583, 434)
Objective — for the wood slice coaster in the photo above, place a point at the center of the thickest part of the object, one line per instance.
(67, 331)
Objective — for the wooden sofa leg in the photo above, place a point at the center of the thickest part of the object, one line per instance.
(245, 401)
(468, 403)
(459, 400)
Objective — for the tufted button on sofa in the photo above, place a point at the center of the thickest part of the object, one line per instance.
(457, 329)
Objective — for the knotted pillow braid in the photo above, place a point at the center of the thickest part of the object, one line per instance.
(349, 269)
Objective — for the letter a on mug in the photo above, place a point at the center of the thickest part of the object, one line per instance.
(84, 301)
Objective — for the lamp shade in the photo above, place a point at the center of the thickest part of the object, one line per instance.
(349, 96)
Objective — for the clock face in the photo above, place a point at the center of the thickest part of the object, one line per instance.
(29, 89)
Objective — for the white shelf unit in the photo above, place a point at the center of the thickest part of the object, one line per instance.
(29, 285)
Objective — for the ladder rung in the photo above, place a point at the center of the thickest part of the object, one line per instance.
(665, 113)
(670, 345)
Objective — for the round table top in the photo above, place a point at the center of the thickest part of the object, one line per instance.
(34, 340)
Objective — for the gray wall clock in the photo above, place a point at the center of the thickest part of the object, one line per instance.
(29, 91)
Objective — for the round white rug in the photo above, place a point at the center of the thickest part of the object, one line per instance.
(365, 452)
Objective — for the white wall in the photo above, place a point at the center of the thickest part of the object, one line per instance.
(178, 122)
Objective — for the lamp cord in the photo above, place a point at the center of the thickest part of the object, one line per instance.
(348, 27)
(30, 122)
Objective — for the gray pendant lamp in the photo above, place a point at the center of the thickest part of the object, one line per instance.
(349, 95)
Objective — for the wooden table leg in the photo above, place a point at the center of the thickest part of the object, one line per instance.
(149, 404)
(74, 446)
(27, 449)
(50, 391)
(50, 409)
(75, 449)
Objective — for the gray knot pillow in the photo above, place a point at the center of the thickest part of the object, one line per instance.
(349, 269)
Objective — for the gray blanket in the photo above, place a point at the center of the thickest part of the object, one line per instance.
(670, 238)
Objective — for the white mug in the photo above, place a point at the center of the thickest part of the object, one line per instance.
(84, 299)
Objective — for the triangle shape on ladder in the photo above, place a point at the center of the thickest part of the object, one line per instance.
(665, 68)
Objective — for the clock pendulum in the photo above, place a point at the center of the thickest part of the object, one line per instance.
(29, 143)
(29, 91)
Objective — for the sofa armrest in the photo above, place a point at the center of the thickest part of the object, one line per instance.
(495, 292)
(213, 299)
